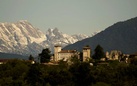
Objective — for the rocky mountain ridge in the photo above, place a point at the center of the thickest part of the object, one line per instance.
(23, 38)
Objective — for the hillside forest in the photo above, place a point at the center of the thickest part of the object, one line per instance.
(22, 73)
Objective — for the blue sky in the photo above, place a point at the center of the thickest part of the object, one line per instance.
(69, 16)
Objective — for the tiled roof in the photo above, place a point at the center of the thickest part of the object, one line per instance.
(67, 51)
(57, 46)
(86, 47)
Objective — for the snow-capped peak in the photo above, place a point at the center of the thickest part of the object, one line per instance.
(15, 37)
(54, 37)
(23, 38)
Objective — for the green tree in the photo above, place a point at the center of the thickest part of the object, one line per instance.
(63, 65)
(98, 53)
(81, 74)
(45, 55)
(13, 73)
(31, 58)
(34, 75)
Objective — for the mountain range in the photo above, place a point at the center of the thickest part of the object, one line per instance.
(120, 36)
(25, 39)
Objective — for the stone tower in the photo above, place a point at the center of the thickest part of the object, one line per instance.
(86, 53)
(56, 50)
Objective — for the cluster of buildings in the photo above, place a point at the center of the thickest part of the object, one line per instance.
(117, 55)
(66, 55)
(85, 55)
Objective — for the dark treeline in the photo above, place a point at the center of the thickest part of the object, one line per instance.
(22, 73)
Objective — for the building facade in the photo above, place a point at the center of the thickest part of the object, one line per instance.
(57, 49)
(86, 53)
(65, 55)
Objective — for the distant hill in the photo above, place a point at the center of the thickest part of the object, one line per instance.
(120, 36)
(11, 56)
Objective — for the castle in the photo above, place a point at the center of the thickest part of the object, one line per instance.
(60, 54)
(86, 53)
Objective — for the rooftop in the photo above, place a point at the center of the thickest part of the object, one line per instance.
(86, 47)
(67, 51)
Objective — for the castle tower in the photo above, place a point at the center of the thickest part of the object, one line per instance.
(86, 53)
(56, 50)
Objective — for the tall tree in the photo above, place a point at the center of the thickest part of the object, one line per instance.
(98, 53)
(31, 57)
(45, 55)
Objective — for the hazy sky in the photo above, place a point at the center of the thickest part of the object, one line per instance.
(69, 16)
